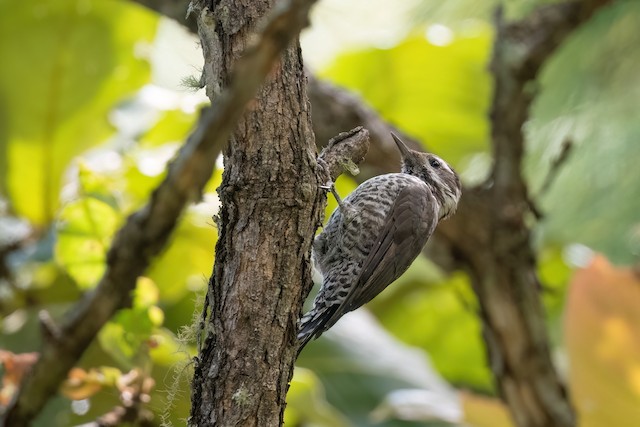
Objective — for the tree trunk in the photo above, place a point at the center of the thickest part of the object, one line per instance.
(270, 210)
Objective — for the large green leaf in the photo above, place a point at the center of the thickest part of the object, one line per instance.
(306, 403)
(360, 363)
(438, 93)
(85, 229)
(441, 319)
(65, 64)
(188, 260)
(593, 103)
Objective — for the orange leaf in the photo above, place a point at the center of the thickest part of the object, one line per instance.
(602, 335)
(481, 411)
(81, 384)
(15, 366)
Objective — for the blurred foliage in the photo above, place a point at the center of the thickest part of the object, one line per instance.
(70, 62)
(436, 91)
(588, 93)
(85, 136)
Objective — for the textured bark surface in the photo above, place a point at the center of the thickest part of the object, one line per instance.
(270, 210)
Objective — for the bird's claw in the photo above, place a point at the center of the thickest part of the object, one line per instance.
(328, 186)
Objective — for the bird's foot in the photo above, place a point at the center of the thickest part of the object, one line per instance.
(330, 186)
(345, 208)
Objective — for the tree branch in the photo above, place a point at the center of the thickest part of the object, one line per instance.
(345, 149)
(504, 274)
(146, 231)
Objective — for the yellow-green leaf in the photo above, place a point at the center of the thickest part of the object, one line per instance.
(438, 93)
(306, 403)
(85, 229)
(66, 63)
(188, 260)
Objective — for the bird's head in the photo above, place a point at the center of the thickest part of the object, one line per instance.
(435, 172)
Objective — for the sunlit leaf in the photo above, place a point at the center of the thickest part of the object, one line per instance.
(188, 261)
(554, 275)
(442, 320)
(85, 230)
(165, 349)
(602, 335)
(70, 62)
(306, 403)
(144, 170)
(482, 411)
(173, 126)
(15, 367)
(439, 94)
(146, 293)
(101, 186)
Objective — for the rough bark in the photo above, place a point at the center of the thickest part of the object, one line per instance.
(271, 207)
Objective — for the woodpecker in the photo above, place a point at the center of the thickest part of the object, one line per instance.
(374, 235)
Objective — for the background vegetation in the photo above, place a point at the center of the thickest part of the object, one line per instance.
(92, 108)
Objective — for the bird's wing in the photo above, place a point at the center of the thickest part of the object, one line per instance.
(408, 225)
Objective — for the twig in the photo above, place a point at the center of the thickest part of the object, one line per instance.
(345, 148)
(146, 232)
(556, 165)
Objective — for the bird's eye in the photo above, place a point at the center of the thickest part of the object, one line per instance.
(434, 163)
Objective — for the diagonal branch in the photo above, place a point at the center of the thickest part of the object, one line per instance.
(147, 231)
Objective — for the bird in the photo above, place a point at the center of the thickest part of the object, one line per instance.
(375, 233)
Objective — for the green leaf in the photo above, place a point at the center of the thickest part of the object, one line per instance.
(146, 293)
(128, 337)
(439, 94)
(306, 403)
(166, 350)
(125, 346)
(445, 324)
(188, 261)
(85, 230)
(173, 126)
(554, 275)
(67, 63)
(360, 363)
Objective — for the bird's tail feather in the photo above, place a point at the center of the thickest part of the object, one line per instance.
(313, 324)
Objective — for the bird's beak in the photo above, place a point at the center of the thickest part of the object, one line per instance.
(404, 150)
